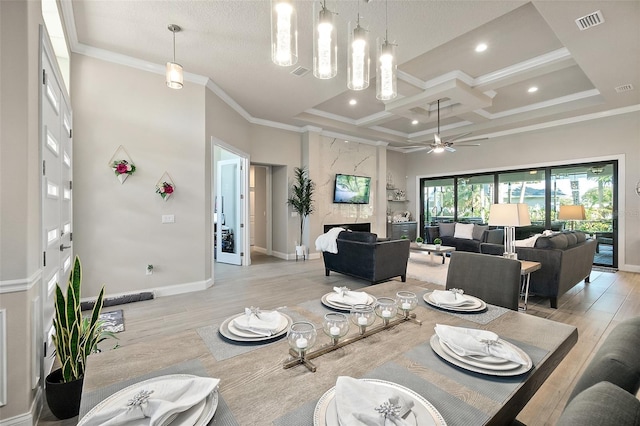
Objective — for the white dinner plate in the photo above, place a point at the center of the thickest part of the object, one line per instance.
(199, 415)
(487, 369)
(423, 412)
(503, 366)
(478, 306)
(225, 332)
(246, 333)
(343, 306)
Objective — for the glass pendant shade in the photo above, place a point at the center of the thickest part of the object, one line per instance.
(358, 59)
(386, 71)
(325, 43)
(174, 75)
(284, 33)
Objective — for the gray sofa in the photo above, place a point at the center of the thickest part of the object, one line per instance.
(362, 255)
(446, 231)
(566, 259)
(605, 392)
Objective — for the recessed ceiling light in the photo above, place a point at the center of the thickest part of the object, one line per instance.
(353, 102)
(532, 89)
(414, 122)
(481, 47)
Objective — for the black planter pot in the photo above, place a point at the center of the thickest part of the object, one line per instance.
(63, 398)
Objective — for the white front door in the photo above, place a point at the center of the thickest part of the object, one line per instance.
(229, 207)
(56, 160)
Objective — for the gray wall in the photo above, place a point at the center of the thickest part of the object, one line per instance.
(612, 137)
(260, 206)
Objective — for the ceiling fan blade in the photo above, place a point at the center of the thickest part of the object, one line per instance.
(436, 138)
(467, 144)
(430, 151)
(450, 149)
(456, 137)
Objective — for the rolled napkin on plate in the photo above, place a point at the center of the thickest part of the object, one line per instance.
(264, 323)
(348, 297)
(360, 402)
(471, 341)
(452, 297)
(179, 400)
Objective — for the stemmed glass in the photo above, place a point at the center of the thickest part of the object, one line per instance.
(362, 316)
(335, 325)
(386, 309)
(406, 301)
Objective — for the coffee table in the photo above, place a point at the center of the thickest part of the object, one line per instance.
(431, 249)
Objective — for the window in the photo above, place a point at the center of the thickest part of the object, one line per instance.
(528, 187)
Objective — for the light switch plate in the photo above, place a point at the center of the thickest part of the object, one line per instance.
(168, 218)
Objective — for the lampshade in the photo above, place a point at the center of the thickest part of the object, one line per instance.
(509, 215)
(325, 42)
(174, 76)
(284, 33)
(358, 60)
(573, 212)
(387, 70)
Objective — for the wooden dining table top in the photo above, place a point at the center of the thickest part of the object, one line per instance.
(258, 390)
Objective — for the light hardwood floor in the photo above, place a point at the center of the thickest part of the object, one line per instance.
(593, 308)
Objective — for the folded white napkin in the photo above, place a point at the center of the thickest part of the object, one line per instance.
(357, 400)
(470, 341)
(264, 323)
(176, 400)
(348, 297)
(450, 298)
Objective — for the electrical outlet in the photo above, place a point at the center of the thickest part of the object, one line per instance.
(168, 218)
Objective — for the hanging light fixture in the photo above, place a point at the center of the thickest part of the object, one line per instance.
(386, 67)
(284, 33)
(174, 70)
(358, 59)
(325, 42)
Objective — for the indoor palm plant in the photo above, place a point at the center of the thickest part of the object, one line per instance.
(75, 338)
(301, 200)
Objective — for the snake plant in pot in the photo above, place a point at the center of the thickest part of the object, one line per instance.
(75, 338)
(301, 200)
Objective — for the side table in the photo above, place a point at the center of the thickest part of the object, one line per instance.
(526, 268)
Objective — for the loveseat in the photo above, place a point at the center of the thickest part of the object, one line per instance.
(463, 236)
(566, 259)
(362, 255)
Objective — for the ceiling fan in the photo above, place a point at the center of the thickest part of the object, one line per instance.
(440, 145)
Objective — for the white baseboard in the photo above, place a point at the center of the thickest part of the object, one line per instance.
(170, 290)
(630, 268)
(281, 255)
(259, 249)
(27, 419)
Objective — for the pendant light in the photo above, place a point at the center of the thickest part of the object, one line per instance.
(325, 43)
(386, 66)
(174, 70)
(358, 59)
(284, 33)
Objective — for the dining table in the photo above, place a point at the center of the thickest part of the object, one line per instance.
(255, 388)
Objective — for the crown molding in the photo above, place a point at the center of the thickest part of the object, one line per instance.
(546, 104)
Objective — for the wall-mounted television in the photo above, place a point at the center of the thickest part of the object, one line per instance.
(351, 189)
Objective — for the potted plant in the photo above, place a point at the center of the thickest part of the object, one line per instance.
(437, 242)
(301, 200)
(75, 338)
(419, 241)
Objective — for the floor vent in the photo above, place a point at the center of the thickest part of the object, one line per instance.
(591, 20)
(300, 71)
(624, 88)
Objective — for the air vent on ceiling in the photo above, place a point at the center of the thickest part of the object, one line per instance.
(590, 20)
(300, 71)
(624, 88)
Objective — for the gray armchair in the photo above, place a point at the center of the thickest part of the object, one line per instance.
(494, 279)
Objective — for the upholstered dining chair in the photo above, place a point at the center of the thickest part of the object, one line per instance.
(494, 279)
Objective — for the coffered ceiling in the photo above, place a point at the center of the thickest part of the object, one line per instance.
(529, 44)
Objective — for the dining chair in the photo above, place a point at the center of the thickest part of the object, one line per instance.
(494, 279)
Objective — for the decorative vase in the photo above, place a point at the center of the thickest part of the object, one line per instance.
(419, 244)
(437, 246)
(63, 398)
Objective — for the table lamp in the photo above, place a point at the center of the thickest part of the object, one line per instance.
(572, 213)
(509, 216)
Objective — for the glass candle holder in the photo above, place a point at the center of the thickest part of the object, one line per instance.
(406, 301)
(302, 336)
(386, 309)
(335, 325)
(362, 316)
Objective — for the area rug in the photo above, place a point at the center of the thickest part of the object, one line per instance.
(113, 321)
(422, 268)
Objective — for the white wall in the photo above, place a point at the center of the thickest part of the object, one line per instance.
(617, 136)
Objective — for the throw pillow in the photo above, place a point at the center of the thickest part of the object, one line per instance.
(464, 231)
(478, 231)
(527, 242)
(446, 229)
